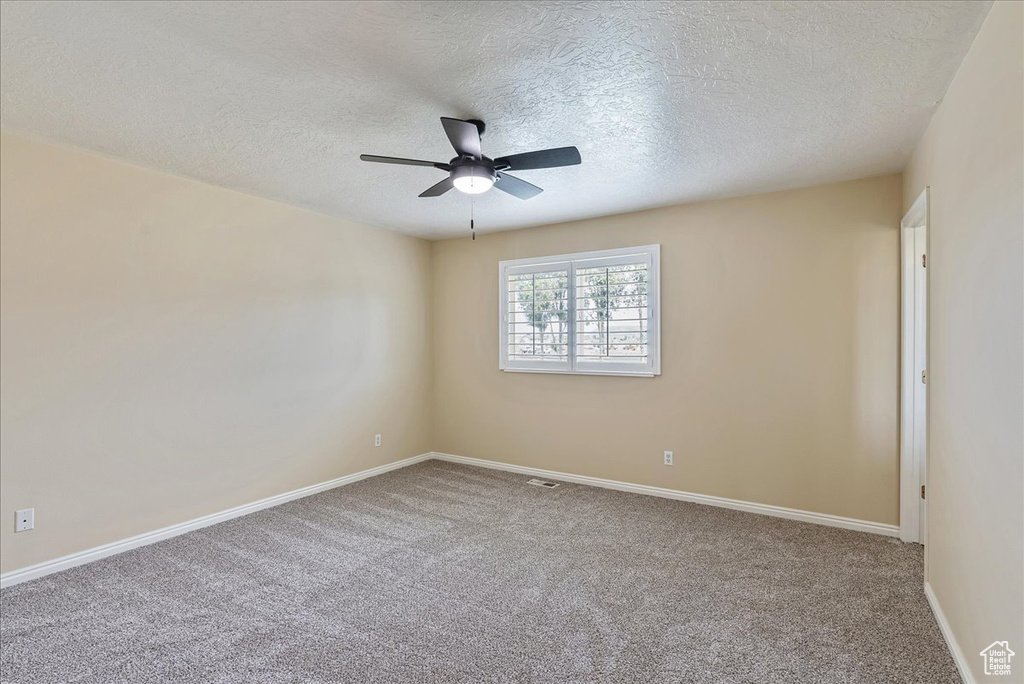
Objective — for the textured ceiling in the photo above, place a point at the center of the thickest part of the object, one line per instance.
(668, 101)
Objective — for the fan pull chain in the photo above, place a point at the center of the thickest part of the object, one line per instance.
(472, 225)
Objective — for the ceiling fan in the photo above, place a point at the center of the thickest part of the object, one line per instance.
(471, 172)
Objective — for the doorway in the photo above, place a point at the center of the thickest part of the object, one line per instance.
(914, 374)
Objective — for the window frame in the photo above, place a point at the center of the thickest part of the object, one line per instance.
(651, 255)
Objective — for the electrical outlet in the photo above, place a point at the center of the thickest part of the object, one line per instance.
(24, 520)
(668, 458)
(376, 440)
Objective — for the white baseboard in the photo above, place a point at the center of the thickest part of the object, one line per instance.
(734, 504)
(41, 569)
(947, 633)
(89, 555)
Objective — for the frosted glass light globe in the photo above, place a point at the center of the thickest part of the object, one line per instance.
(472, 180)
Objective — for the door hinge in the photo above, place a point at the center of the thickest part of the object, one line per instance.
(922, 491)
(924, 377)
(924, 261)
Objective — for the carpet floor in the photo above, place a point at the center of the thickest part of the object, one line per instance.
(447, 573)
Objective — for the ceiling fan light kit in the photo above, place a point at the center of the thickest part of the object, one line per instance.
(473, 179)
(473, 173)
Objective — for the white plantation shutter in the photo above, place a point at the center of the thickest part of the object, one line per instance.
(537, 320)
(612, 313)
(594, 312)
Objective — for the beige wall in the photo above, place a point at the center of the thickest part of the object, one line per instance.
(971, 157)
(170, 349)
(779, 365)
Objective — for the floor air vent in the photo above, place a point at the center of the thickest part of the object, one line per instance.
(542, 483)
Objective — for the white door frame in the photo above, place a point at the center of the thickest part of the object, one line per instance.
(913, 381)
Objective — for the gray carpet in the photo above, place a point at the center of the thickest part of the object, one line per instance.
(445, 573)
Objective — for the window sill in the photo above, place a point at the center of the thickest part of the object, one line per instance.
(542, 371)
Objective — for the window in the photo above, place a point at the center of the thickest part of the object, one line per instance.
(593, 312)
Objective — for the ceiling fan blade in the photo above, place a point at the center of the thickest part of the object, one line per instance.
(516, 187)
(465, 136)
(541, 159)
(400, 160)
(438, 189)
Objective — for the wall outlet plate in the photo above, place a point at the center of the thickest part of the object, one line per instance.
(668, 458)
(376, 440)
(24, 520)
